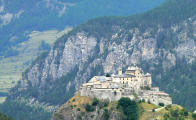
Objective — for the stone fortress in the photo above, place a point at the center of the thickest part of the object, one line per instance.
(133, 84)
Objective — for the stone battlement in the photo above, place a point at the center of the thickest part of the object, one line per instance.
(133, 83)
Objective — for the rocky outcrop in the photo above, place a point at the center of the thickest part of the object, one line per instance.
(104, 45)
(75, 109)
(86, 51)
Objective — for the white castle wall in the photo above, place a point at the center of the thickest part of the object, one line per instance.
(103, 87)
(109, 94)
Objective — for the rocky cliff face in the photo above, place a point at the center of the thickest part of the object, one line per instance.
(103, 45)
(86, 51)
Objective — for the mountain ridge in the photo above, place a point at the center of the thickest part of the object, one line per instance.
(100, 46)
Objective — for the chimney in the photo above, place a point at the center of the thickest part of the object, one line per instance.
(120, 72)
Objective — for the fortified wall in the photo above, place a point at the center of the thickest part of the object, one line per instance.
(133, 83)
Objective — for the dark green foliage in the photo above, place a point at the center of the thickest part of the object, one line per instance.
(4, 117)
(172, 81)
(146, 88)
(184, 112)
(129, 108)
(176, 114)
(89, 108)
(103, 103)
(36, 17)
(115, 93)
(95, 101)
(153, 110)
(166, 116)
(56, 90)
(19, 111)
(106, 114)
(106, 104)
(194, 115)
(78, 109)
(181, 78)
(161, 104)
(149, 102)
(108, 75)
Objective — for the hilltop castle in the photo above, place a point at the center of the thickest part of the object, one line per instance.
(133, 84)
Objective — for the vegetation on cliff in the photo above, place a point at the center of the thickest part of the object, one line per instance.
(4, 117)
(174, 80)
(124, 109)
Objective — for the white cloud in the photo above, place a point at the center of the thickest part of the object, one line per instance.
(6, 18)
(17, 15)
(59, 6)
(62, 11)
(1, 8)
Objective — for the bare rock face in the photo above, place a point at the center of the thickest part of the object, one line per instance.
(84, 53)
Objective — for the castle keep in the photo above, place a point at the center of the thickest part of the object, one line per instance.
(133, 84)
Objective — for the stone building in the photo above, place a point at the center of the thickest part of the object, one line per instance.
(133, 83)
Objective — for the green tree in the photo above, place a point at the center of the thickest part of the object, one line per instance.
(108, 75)
(95, 101)
(129, 108)
(161, 104)
(194, 116)
(89, 108)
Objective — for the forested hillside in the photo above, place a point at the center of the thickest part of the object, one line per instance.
(19, 18)
(162, 41)
(28, 28)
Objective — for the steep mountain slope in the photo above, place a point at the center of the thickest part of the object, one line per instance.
(161, 41)
(20, 18)
(27, 52)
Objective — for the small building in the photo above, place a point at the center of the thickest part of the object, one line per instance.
(128, 84)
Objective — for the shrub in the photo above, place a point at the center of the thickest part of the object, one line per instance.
(78, 109)
(106, 114)
(103, 103)
(153, 110)
(184, 112)
(166, 116)
(175, 113)
(149, 102)
(108, 75)
(92, 116)
(71, 106)
(89, 108)
(143, 100)
(161, 104)
(194, 116)
(129, 108)
(106, 104)
(95, 102)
